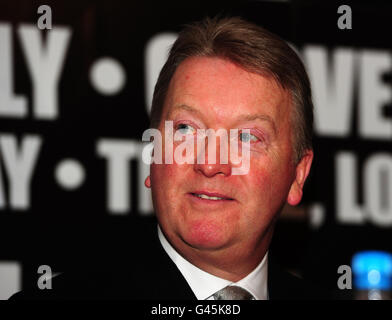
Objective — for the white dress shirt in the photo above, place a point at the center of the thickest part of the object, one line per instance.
(204, 284)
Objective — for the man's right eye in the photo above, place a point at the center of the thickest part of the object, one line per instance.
(184, 128)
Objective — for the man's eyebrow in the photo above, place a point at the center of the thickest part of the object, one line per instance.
(262, 117)
(183, 107)
(247, 117)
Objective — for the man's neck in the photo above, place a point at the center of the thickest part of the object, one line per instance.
(231, 263)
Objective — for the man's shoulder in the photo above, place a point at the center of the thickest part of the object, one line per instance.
(133, 266)
(284, 285)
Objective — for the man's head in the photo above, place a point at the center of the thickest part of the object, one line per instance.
(255, 50)
(229, 74)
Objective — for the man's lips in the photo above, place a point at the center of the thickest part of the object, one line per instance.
(214, 196)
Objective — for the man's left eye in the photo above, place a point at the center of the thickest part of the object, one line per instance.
(248, 137)
(185, 128)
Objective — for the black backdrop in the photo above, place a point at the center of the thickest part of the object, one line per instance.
(71, 173)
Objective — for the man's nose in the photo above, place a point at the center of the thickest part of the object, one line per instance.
(214, 167)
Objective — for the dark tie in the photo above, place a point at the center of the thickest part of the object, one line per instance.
(233, 293)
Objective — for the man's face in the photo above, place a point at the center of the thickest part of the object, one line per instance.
(212, 93)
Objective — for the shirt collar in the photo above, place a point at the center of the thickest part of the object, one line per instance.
(204, 284)
(256, 281)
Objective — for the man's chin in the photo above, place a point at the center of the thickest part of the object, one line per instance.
(205, 236)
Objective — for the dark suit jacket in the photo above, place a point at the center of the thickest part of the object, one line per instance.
(144, 272)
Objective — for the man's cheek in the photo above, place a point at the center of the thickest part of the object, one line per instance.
(261, 188)
(164, 172)
(259, 177)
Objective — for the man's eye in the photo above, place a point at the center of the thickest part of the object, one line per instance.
(184, 128)
(248, 137)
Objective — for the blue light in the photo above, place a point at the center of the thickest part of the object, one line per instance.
(372, 270)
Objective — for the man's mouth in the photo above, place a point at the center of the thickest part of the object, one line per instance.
(210, 196)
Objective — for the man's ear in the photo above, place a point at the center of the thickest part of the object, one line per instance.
(147, 182)
(301, 173)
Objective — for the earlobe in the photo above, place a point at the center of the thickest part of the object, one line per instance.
(302, 171)
(147, 182)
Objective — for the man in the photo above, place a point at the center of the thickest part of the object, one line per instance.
(230, 74)
(215, 227)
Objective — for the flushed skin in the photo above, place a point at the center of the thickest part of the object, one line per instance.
(228, 237)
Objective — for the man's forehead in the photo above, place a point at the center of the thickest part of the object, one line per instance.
(221, 85)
